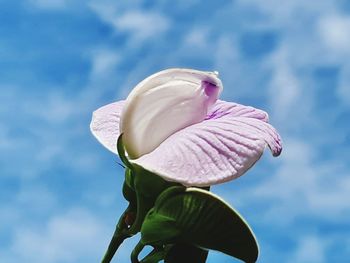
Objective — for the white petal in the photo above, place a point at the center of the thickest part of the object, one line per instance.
(105, 125)
(165, 103)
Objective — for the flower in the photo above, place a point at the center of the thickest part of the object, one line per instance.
(174, 126)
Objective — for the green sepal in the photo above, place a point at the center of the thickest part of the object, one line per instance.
(121, 151)
(198, 217)
(148, 187)
(149, 184)
(141, 187)
(128, 187)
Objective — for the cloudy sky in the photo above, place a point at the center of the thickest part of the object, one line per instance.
(60, 190)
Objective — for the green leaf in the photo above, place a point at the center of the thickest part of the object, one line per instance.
(154, 257)
(198, 217)
(186, 253)
(159, 229)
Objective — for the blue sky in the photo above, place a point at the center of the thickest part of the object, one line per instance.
(60, 60)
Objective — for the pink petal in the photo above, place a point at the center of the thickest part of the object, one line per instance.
(221, 108)
(105, 124)
(219, 149)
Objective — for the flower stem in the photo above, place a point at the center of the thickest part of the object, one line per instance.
(120, 234)
(116, 241)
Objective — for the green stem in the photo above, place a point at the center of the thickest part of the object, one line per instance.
(120, 234)
(116, 241)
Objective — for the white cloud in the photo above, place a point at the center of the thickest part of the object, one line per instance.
(24, 207)
(38, 197)
(285, 90)
(198, 38)
(54, 108)
(142, 25)
(10, 215)
(302, 188)
(103, 62)
(309, 35)
(6, 142)
(291, 12)
(343, 89)
(49, 4)
(334, 31)
(56, 121)
(230, 66)
(310, 250)
(76, 235)
(179, 4)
